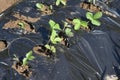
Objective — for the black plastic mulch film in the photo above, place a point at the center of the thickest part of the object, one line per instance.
(91, 56)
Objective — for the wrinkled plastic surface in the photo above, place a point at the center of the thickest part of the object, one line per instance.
(91, 56)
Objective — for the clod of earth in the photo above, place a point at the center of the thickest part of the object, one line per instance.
(42, 51)
(3, 45)
(26, 27)
(22, 69)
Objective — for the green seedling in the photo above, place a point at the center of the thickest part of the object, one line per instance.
(64, 2)
(39, 6)
(54, 38)
(54, 25)
(51, 48)
(79, 24)
(94, 18)
(69, 32)
(28, 57)
(54, 35)
(21, 25)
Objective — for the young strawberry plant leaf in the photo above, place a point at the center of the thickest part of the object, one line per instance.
(57, 27)
(57, 39)
(25, 61)
(77, 24)
(84, 24)
(53, 49)
(29, 54)
(89, 15)
(77, 27)
(28, 57)
(51, 23)
(96, 22)
(47, 46)
(57, 2)
(31, 58)
(22, 25)
(68, 32)
(54, 25)
(64, 2)
(97, 15)
(39, 5)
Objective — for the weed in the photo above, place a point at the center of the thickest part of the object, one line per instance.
(94, 18)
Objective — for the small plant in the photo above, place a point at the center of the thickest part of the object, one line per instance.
(54, 25)
(79, 23)
(28, 57)
(54, 38)
(39, 6)
(69, 32)
(61, 1)
(51, 48)
(94, 18)
(21, 25)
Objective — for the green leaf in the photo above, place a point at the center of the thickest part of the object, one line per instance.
(47, 46)
(53, 49)
(96, 22)
(29, 54)
(97, 15)
(77, 27)
(76, 21)
(84, 24)
(57, 39)
(53, 35)
(57, 27)
(89, 15)
(64, 2)
(21, 24)
(31, 58)
(25, 61)
(52, 23)
(39, 5)
(68, 32)
(77, 24)
(57, 2)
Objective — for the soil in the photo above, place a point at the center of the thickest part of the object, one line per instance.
(46, 10)
(4, 4)
(26, 18)
(42, 51)
(15, 24)
(90, 7)
(3, 45)
(22, 69)
(93, 8)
